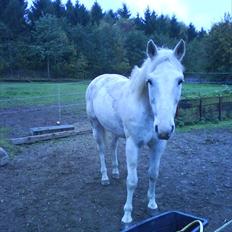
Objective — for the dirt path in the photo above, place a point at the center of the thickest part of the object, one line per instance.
(55, 186)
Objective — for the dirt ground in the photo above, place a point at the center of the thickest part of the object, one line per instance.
(55, 185)
(18, 121)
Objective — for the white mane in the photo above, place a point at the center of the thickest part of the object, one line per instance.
(138, 75)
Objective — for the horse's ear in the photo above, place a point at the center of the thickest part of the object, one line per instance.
(179, 50)
(152, 50)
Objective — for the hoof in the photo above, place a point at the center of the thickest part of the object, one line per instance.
(125, 226)
(115, 176)
(153, 212)
(105, 182)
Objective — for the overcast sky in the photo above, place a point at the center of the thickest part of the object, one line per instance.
(202, 13)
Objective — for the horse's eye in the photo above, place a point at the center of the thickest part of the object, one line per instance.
(149, 81)
(180, 81)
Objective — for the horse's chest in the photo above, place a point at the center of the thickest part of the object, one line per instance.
(141, 130)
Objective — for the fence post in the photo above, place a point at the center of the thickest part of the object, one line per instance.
(59, 104)
(177, 111)
(200, 108)
(220, 108)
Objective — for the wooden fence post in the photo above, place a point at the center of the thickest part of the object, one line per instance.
(220, 108)
(177, 111)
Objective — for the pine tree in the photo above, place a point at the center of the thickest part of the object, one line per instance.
(81, 14)
(174, 28)
(3, 6)
(59, 9)
(135, 45)
(202, 33)
(162, 25)
(96, 13)
(12, 14)
(111, 17)
(13, 30)
(124, 12)
(39, 9)
(191, 32)
(70, 12)
(138, 22)
(150, 21)
(50, 41)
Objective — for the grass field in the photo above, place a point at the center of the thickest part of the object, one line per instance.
(27, 94)
(205, 90)
(206, 125)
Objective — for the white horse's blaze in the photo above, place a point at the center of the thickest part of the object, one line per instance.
(141, 109)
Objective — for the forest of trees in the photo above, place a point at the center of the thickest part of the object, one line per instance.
(70, 41)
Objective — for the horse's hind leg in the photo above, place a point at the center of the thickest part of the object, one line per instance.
(99, 135)
(114, 150)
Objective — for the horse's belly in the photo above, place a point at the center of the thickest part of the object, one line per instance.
(106, 113)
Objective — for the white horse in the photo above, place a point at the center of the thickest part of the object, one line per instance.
(140, 109)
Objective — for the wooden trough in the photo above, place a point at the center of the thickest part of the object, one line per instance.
(46, 133)
(51, 129)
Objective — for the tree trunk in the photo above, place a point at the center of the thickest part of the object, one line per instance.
(48, 67)
(10, 56)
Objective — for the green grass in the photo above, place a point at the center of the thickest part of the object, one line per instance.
(36, 94)
(205, 90)
(27, 94)
(207, 125)
(5, 143)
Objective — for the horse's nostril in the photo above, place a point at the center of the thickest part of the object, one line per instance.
(164, 136)
(156, 128)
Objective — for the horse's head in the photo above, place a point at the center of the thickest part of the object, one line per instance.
(164, 81)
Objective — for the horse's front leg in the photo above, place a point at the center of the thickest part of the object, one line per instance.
(156, 148)
(132, 151)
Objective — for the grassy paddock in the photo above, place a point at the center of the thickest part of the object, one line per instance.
(5, 142)
(207, 125)
(205, 90)
(34, 94)
(28, 94)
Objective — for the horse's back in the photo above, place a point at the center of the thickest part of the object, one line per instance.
(106, 80)
(110, 82)
(102, 101)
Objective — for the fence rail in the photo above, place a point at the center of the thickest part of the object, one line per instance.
(204, 109)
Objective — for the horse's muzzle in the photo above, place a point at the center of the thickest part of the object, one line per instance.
(164, 135)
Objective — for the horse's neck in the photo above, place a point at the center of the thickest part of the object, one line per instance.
(138, 80)
(139, 89)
